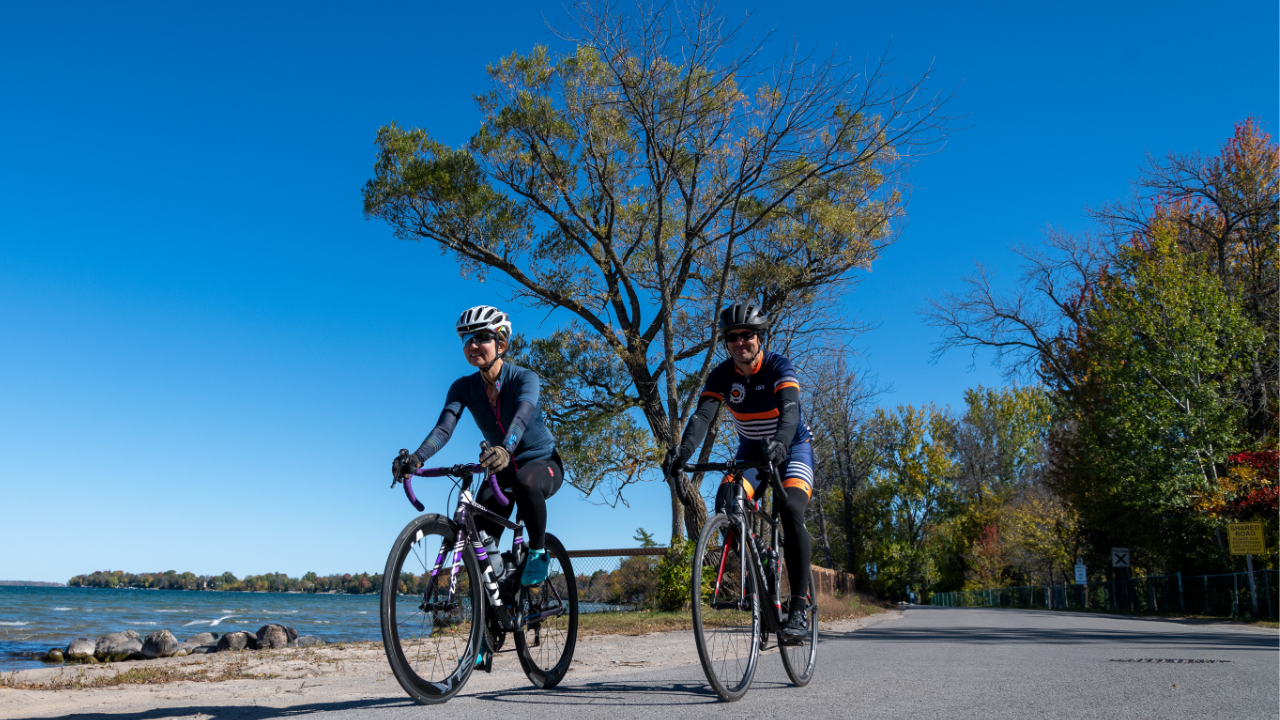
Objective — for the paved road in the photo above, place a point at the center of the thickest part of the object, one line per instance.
(931, 662)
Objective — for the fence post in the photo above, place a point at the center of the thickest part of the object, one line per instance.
(1206, 595)
(1151, 596)
(1266, 584)
(1253, 587)
(1182, 602)
(1235, 593)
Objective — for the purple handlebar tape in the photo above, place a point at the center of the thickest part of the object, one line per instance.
(437, 472)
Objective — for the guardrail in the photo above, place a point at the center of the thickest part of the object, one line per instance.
(1224, 595)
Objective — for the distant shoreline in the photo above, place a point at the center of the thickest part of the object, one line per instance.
(30, 583)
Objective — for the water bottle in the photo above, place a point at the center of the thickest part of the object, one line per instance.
(495, 556)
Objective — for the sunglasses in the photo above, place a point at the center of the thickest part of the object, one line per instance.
(479, 338)
(746, 336)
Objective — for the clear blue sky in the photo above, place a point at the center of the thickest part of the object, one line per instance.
(208, 356)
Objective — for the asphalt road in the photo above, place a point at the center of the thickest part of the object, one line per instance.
(931, 662)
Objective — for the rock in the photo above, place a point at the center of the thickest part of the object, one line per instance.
(118, 646)
(203, 649)
(185, 648)
(133, 634)
(80, 650)
(204, 638)
(307, 641)
(237, 641)
(273, 636)
(160, 643)
(53, 656)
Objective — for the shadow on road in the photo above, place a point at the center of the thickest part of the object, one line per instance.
(629, 694)
(956, 630)
(248, 712)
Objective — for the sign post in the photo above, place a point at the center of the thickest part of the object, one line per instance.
(1120, 561)
(1246, 539)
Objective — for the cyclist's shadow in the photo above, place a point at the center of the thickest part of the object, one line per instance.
(628, 693)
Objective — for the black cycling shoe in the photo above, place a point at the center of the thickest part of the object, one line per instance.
(797, 627)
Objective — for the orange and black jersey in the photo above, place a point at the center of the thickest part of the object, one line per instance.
(764, 405)
(756, 402)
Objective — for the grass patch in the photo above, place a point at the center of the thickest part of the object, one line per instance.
(140, 675)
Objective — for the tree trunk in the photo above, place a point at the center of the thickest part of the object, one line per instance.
(822, 530)
(650, 401)
(851, 554)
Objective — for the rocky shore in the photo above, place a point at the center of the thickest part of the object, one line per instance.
(130, 645)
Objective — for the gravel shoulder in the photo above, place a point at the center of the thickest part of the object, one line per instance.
(332, 676)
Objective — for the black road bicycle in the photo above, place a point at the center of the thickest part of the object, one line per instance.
(446, 587)
(738, 597)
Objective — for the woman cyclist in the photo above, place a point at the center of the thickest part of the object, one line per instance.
(503, 400)
(763, 396)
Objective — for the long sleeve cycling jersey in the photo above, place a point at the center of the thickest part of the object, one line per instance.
(516, 423)
(765, 404)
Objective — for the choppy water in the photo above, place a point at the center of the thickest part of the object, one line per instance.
(34, 619)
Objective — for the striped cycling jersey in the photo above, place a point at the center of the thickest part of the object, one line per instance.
(753, 402)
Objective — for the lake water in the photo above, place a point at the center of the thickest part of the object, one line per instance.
(34, 619)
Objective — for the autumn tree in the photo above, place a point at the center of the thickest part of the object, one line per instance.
(639, 179)
(1153, 406)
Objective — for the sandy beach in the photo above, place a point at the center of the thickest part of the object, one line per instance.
(334, 676)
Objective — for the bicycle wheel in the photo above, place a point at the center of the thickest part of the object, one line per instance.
(431, 634)
(547, 620)
(800, 658)
(726, 608)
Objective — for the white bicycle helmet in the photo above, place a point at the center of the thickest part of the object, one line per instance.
(484, 317)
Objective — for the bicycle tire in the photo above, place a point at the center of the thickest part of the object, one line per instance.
(726, 625)
(799, 659)
(431, 651)
(546, 648)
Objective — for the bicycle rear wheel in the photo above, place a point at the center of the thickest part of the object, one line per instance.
(799, 659)
(726, 608)
(547, 620)
(431, 635)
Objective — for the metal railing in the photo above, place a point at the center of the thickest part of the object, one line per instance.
(1225, 595)
(617, 580)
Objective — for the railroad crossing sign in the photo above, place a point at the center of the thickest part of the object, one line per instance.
(1120, 557)
(1245, 538)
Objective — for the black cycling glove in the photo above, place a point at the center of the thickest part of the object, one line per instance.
(676, 458)
(406, 463)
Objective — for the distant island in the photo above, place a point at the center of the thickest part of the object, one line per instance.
(360, 584)
(29, 583)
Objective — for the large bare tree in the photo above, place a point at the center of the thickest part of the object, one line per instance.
(641, 178)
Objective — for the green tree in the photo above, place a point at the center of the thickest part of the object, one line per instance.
(640, 179)
(1153, 408)
(913, 493)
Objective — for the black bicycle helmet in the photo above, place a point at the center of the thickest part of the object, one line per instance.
(743, 316)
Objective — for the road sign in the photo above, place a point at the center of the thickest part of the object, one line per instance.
(1082, 576)
(1120, 557)
(1245, 538)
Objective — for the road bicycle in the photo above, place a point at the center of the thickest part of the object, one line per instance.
(446, 588)
(738, 598)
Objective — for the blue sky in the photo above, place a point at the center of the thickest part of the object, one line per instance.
(208, 356)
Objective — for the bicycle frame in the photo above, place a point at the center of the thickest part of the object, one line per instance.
(741, 512)
(464, 516)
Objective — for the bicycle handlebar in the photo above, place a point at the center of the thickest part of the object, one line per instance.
(459, 471)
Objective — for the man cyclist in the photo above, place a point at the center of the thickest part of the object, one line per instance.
(503, 400)
(763, 396)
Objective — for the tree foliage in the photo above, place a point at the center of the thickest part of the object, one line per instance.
(638, 179)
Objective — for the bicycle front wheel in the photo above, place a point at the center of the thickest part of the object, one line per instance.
(432, 609)
(799, 659)
(726, 608)
(547, 620)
